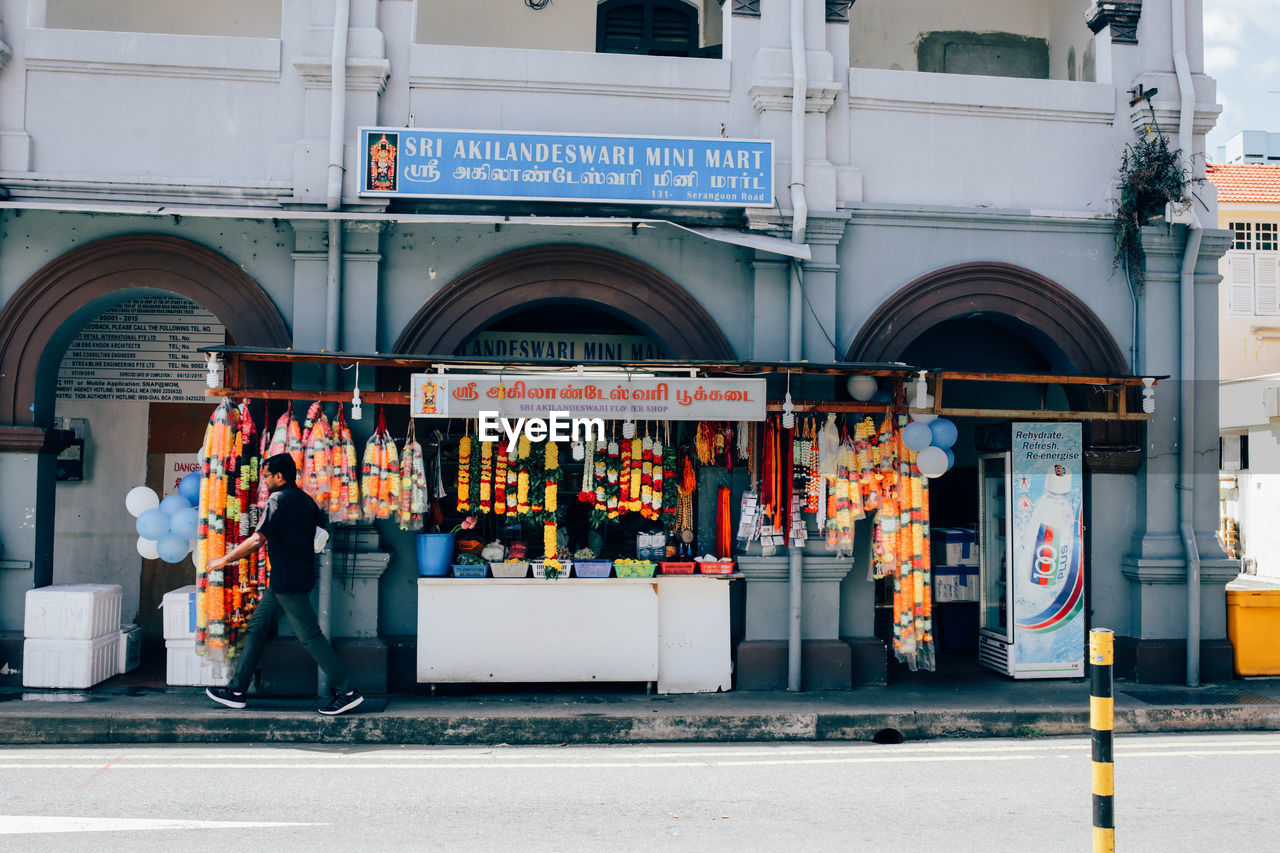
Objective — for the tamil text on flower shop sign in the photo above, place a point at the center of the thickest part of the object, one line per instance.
(610, 398)
(420, 163)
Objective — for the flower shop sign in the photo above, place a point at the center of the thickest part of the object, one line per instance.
(528, 166)
(611, 398)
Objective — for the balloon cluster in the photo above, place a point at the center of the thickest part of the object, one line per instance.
(932, 440)
(166, 528)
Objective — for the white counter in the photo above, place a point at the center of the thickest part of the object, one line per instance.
(672, 630)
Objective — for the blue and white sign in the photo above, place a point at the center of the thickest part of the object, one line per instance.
(519, 166)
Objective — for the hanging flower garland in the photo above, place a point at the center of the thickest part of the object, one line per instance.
(413, 484)
(464, 474)
(551, 499)
(212, 527)
(522, 478)
(344, 497)
(635, 483)
(486, 477)
(380, 473)
(670, 490)
(317, 457)
(614, 491)
(587, 493)
(500, 466)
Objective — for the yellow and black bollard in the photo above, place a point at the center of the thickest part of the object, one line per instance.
(1102, 722)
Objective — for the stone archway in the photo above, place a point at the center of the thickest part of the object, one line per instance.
(35, 320)
(568, 274)
(1068, 331)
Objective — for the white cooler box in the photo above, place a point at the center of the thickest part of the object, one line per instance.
(180, 613)
(79, 611)
(185, 668)
(70, 663)
(130, 648)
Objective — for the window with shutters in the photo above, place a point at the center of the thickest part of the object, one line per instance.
(649, 27)
(1253, 269)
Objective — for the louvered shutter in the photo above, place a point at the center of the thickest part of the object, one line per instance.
(1240, 277)
(1266, 283)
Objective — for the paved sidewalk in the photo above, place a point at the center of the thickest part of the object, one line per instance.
(918, 708)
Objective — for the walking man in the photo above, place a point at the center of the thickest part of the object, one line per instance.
(287, 528)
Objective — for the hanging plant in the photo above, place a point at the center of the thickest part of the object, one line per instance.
(1151, 176)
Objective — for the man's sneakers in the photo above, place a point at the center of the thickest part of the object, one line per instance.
(341, 703)
(225, 696)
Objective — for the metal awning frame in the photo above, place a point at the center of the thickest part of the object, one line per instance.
(1115, 389)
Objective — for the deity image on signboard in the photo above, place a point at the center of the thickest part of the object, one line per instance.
(382, 163)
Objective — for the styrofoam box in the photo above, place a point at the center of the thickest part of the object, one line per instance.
(77, 611)
(70, 663)
(130, 648)
(180, 613)
(954, 546)
(955, 583)
(186, 668)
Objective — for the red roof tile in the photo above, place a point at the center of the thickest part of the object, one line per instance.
(1246, 183)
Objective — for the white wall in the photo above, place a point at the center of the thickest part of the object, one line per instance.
(94, 538)
(180, 17)
(1259, 501)
(1067, 30)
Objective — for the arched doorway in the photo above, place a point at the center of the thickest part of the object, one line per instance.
(989, 317)
(48, 312)
(566, 276)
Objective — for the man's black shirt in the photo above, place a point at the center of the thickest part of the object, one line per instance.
(289, 522)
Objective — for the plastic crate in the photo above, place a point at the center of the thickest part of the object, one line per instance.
(470, 570)
(70, 663)
(129, 649)
(185, 668)
(80, 611)
(722, 568)
(676, 568)
(180, 613)
(510, 569)
(634, 570)
(592, 568)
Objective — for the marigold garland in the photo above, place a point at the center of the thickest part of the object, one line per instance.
(464, 474)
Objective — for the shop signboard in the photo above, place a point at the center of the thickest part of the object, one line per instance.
(144, 349)
(527, 166)
(610, 398)
(561, 345)
(1048, 549)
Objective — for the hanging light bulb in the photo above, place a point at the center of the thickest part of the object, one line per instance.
(356, 413)
(1148, 395)
(629, 429)
(214, 376)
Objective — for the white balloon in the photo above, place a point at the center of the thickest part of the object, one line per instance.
(139, 500)
(147, 549)
(862, 388)
(928, 404)
(932, 461)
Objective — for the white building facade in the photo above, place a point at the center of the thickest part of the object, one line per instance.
(950, 206)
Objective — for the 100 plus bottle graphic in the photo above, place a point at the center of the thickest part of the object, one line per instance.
(1053, 521)
(1050, 558)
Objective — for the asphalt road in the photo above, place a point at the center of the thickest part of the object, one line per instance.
(1173, 793)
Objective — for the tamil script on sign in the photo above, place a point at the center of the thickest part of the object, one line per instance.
(467, 396)
(421, 163)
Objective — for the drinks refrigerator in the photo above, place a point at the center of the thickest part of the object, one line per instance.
(1031, 553)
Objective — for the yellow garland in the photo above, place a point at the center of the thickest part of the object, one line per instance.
(549, 540)
(637, 461)
(522, 494)
(486, 467)
(464, 474)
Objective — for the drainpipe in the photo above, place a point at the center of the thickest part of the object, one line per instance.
(333, 282)
(1187, 367)
(795, 340)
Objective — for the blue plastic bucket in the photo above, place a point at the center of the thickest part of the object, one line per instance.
(435, 554)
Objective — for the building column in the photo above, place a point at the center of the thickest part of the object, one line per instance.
(1154, 648)
(769, 331)
(361, 262)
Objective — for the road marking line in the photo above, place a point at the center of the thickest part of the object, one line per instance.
(39, 824)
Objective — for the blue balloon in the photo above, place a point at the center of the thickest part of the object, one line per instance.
(189, 488)
(944, 433)
(172, 549)
(173, 504)
(951, 458)
(153, 524)
(916, 436)
(882, 396)
(184, 523)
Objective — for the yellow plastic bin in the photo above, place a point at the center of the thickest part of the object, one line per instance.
(1253, 624)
